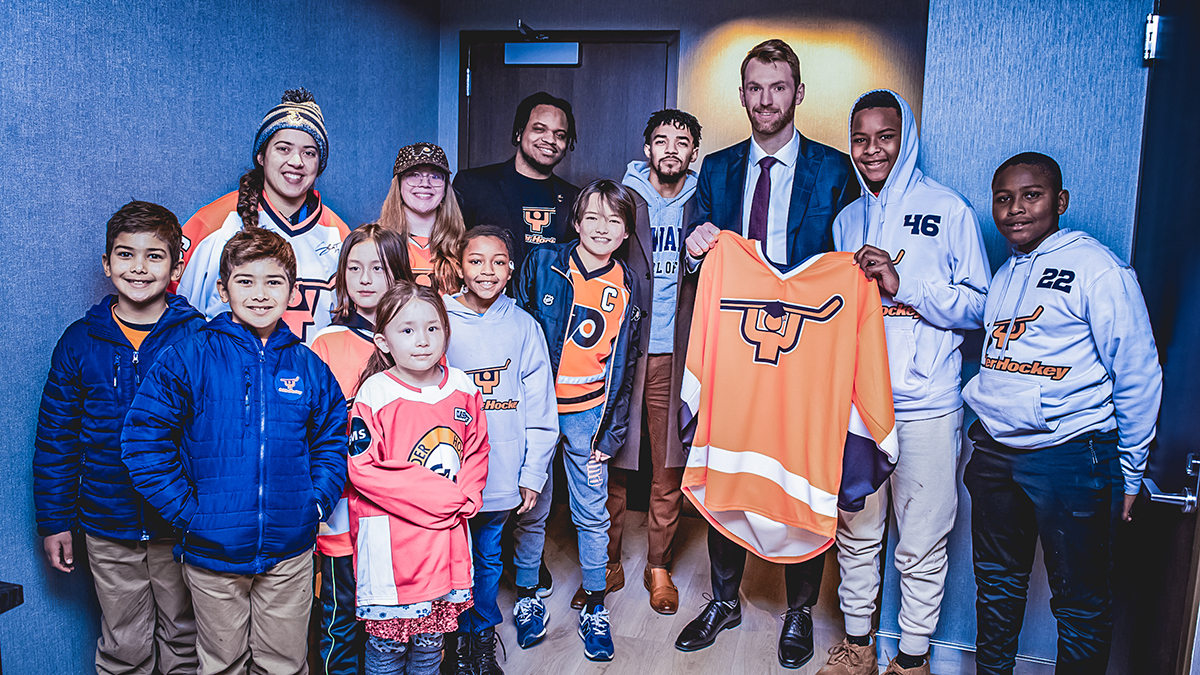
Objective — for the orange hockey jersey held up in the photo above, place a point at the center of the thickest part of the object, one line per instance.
(786, 397)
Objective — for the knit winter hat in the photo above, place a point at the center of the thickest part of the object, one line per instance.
(420, 153)
(297, 110)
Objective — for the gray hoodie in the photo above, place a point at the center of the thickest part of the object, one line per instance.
(1069, 350)
(505, 353)
(666, 227)
(932, 234)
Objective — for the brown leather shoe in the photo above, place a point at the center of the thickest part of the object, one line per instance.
(664, 597)
(614, 580)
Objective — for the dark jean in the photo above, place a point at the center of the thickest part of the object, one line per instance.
(486, 528)
(342, 636)
(1071, 496)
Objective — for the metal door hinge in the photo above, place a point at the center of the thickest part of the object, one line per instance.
(1150, 51)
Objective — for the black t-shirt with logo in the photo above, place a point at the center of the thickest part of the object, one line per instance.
(536, 212)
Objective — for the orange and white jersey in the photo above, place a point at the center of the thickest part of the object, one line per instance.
(420, 258)
(316, 241)
(780, 366)
(600, 298)
(345, 348)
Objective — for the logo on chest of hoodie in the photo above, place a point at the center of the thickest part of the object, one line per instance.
(487, 379)
(1011, 330)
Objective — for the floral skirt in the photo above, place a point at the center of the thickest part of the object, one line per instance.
(401, 622)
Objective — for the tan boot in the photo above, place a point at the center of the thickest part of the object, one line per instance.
(848, 659)
(894, 669)
(614, 580)
(664, 596)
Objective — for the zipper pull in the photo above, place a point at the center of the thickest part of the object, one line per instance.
(137, 377)
(116, 369)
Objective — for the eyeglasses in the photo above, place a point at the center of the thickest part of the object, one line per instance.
(415, 178)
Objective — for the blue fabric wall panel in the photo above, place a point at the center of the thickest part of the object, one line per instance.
(106, 102)
(1003, 76)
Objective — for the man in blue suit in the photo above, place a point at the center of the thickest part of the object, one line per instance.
(784, 190)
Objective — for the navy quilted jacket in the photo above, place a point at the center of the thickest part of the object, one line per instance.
(79, 481)
(240, 446)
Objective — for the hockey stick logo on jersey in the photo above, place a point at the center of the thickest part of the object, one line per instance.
(773, 327)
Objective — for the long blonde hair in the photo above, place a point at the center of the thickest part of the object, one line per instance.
(445, 240)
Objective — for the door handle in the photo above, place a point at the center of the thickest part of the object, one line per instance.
(1187, 500)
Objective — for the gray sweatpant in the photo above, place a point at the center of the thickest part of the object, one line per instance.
(923, 492)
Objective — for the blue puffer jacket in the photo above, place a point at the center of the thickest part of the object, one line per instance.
(79, 481)
(240, 446)
(544, 290)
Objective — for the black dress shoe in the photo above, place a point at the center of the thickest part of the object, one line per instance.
(702, 631)
(796, 638)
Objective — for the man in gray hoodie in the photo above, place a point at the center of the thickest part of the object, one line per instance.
(663, 187)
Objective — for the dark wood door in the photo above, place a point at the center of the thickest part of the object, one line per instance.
(622, 79)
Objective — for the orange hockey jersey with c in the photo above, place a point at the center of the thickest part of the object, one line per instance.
(780, 367)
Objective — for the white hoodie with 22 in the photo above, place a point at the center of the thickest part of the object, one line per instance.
(1069, 350)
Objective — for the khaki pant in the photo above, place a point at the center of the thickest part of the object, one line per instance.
(665, 495)
(146, 622)
(923, 493)
(255, 621)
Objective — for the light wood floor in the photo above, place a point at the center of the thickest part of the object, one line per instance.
(644, 640)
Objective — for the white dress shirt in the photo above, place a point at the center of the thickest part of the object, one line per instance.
(783, 174)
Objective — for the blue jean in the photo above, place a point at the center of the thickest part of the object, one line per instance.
(486, 527)
(587, 482)
(342, 635)
(422, 655)
(529, 534)
(1071, 496)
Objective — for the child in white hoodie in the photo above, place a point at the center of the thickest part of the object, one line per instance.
(1067, 397)
(505, 351)
(920, 241)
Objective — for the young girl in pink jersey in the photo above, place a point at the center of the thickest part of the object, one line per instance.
(418, 464)
(373, 258)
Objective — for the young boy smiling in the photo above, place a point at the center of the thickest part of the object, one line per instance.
(237, 438)
(580, 295)
(504, 350)
(920, 241)
(80, 483)
(1067, 396)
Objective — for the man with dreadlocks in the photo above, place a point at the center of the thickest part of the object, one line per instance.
(290, 150)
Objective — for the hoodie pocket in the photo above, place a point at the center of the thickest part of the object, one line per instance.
(1008, 407)
(901, 347)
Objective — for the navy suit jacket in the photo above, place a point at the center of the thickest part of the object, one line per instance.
(825, 183)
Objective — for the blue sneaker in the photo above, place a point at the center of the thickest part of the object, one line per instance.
(596, 633)
(531, 617)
